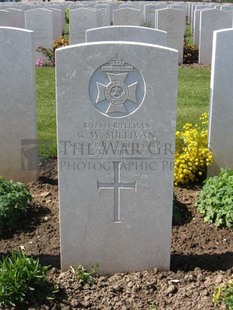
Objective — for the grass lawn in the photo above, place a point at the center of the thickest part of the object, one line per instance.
(193, 100)
(193, 94)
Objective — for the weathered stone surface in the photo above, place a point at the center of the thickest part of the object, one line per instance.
(18, 152)
(116, 108)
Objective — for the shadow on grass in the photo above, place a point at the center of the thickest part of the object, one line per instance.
(208, 262)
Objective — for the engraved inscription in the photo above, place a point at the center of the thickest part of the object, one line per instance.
(171, 18)
(117, 89)
(117, 185)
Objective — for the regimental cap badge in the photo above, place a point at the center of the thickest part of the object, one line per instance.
(117, 89)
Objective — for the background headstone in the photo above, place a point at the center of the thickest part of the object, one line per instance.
(221, 102)
(40, 21)
(105, 14)
(127, 33)
(149, 13)
(126, 16)
(16, 18)
(18, 134)
(211, 20)
(173, 22)
(4, 18)
(81, 20)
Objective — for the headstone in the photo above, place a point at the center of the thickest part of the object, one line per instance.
(16, 18)
(196, 26)
(18, 152)
(196, 7)
(211, 20)
(178, 6)
(173, 22)
(221, 105)
(105, 14)
(81, 20)
(126, 16)
(40, 21)
(116, 108)
(4, 18)
(127, 5)
(227, 8)
(127, 33)
(149, 14)
(57, 22)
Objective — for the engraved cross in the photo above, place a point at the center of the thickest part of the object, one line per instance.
(117, 185)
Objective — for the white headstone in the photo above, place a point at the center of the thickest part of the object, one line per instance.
(149, 14)
(57, 22)
(105, 14)
(81, 20)
(221, 103)
(195, 7)
(211, 20)
(18, 134)
(40, 21)
(16, 18)
(196, 26)
(227, 8)
(127, 16)
(173, 22)
(127, 33)
(116, 108)
(4, 18)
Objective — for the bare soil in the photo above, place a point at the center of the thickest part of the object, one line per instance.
(201, 258)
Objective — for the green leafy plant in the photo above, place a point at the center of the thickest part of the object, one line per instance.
(85, 275)
(190, 54)
(67, 16)
(215, 201)
(224, 295)
(14, 199)
(188, 32)
(23, 281)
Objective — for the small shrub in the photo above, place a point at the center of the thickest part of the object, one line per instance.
(14, 199)
(23, 281)
(50, 53)
(192, 155)
(85, 275)
(190, 54)
(215, 201)
(224, 295)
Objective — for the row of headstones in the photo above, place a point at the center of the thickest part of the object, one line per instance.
(204, 19)
(170, 20)
(116, 115)
(47, 24)
(143, 12)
